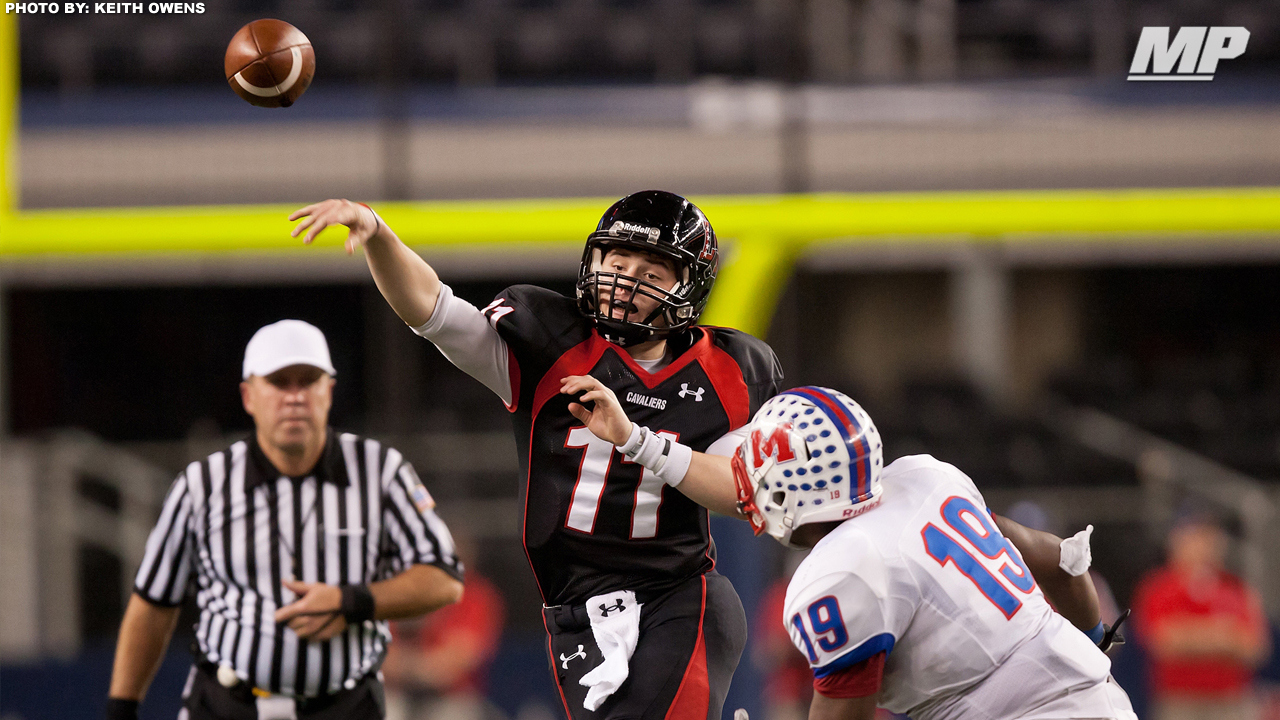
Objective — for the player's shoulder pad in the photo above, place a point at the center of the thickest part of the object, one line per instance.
(531, 311)
(846, 551)
(844, 577)
(758, 361)
(928, 469)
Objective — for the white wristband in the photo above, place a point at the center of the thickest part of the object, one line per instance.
(666, 458)
(632, 444)
(676, 467)
(1076, 557)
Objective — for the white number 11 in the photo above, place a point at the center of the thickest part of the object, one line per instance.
(592, 475)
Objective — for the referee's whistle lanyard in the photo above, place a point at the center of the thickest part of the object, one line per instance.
(282, 539)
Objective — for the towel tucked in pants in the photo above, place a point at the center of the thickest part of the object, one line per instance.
(691, 639)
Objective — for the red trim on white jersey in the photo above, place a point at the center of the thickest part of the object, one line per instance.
(856, 681)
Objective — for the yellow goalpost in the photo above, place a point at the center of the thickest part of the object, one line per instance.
(761, 235)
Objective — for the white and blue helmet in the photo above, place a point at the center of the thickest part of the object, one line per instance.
(811, 455)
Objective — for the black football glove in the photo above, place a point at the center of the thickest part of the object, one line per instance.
(118, 709)
(1111, 636)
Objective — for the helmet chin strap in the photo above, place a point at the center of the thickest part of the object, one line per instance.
(627, 335)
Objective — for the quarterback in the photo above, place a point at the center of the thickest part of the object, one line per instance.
(640, 626)
(915, 598)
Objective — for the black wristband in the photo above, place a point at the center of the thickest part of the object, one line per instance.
(357, 603)
(120, 709)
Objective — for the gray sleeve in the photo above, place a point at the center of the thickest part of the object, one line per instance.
(465, 336)
(728, 443)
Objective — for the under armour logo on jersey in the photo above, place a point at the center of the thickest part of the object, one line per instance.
(496, 310)
(564, 661)
(616, 607)
(685, 392)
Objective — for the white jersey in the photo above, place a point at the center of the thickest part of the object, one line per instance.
(927, 577)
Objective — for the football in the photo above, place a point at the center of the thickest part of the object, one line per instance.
(270, 63)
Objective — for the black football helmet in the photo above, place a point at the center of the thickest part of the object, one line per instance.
(662, 224)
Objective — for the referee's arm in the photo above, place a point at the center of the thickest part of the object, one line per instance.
(144, 637)
(418, 541)
(152, 613)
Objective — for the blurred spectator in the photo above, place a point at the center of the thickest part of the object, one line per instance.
(1204, 628)
(438, 669)
(788, 688)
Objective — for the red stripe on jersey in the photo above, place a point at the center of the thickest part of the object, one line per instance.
(695, 351)
(693, 698)
(513, 376)
(577, 360)
(855, 681)
(726, 377)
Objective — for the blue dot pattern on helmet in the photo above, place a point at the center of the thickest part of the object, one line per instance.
(817, 453)
(817, 502)
(786, 473)
(831, 448)
(825, 433)
(837, 479)
(835, 464)
(804, 425)
(817, 421)
(810, 438)
(808, 411)
(792, 488)
(801, 471)
(815, 469)
(820, 484)
(778, 484)
(806, 487)
(800, 503)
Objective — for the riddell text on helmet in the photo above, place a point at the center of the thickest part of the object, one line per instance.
(106, 8)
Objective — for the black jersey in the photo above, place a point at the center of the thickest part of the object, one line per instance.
(594, 521)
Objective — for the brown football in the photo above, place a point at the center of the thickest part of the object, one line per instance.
(270, 63)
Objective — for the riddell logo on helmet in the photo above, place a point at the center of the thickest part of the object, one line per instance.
(620, 228)
(857, 510)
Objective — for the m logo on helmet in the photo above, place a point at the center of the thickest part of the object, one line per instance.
(777, 442)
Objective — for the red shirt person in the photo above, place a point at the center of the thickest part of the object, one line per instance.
(1203, 626)
(446, 656)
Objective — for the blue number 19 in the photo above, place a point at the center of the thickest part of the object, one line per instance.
(830, 630)
(942, 548)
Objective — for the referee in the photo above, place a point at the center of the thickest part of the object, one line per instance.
(299, 543)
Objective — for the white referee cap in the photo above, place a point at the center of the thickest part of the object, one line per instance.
(285, 343)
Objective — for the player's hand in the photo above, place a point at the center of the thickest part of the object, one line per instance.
(360, 221)
(606, 420)
(316, 614)
(1112, 638)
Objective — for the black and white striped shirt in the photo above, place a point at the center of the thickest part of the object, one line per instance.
(238, 526)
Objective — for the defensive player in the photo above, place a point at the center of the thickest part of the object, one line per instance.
(614, 526)
(911, 598)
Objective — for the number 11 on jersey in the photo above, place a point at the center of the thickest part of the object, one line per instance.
(593, 473)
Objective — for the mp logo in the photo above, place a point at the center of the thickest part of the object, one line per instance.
(1196, 50)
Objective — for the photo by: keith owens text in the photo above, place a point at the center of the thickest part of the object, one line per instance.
(105, 8)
